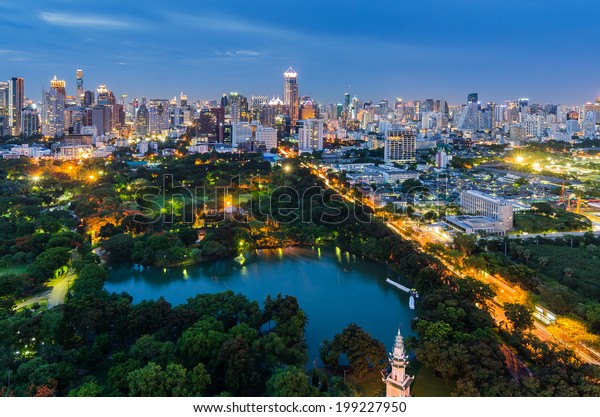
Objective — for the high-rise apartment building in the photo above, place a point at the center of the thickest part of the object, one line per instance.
(30, 122)
(4, 98)
(400, 146)
(290, 94)
(310, 136)
(53, 113)
(16, 99)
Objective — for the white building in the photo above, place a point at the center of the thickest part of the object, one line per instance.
(268, 136)
(400, 146)
(203, 148)
(442, 159)
(310, 136)
(240, 131)
(475, 202)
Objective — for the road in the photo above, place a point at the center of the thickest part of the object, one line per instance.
(54, 296)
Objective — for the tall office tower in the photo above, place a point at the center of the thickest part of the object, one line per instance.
(346, 101)
(102, 119)
(469, 118)
(210, 124)
(310, 136)
(142, 119)
(290, 94)
(89, 98)
(400, 146)
(443, 107)
(183, 100)
(30, 121)
(53, 113)
(60, 86)
(16, 99)
(3, 98)
(105, 96)
(158, 115)
(523, 102)
(472, 98)
(79, 85)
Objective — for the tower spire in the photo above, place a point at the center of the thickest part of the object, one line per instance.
(397, 381)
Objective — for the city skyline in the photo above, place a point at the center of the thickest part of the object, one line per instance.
(153, 50)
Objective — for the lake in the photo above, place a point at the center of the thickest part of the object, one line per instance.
(333, 288)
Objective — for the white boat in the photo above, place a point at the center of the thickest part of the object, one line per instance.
(411, 302)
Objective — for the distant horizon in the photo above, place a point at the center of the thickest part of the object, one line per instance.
(546, 51)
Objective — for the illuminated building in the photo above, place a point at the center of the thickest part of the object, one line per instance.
(290, 94)
(142, 120)
(308, 110)
(268, 136)
(476, 202)
(16, 99)
(3, 98)
(60, 86)
(30, 122)
(53, 113)
(400, 146)
(79, 92)
(240, 132)
(310, 136)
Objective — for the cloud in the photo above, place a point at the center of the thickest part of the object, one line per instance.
(66, 19)
(241, 54)
(233, 25)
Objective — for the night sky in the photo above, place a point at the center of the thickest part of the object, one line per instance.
(546, 50)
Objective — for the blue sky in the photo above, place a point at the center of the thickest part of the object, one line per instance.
(546, 50)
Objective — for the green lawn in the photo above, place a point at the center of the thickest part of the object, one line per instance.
(533, 223)
(584, 263)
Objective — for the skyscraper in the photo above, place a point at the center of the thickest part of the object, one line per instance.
(142, 120)
(3, 97)
(60, 86)
(16, 98)
(290, 93)
(310, 136)
(79, 85)
(472, 98)
(400, 146)
(53, 113)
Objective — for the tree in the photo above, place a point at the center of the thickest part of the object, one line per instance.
(360, 348)
(466, 243)
(290, 381)
(119, 247)
(519, 316)
(88, 389)
(200, 380)
(202, 342)
(47, 262)
(153, 381)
